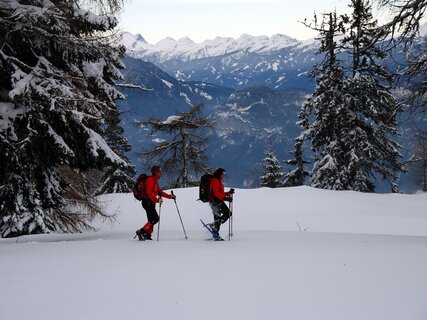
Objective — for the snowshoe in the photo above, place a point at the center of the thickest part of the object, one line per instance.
(215, 235)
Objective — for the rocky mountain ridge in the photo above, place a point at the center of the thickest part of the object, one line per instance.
(278, 62)
(186, 49)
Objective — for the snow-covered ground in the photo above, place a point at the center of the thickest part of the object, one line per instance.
(297, 253)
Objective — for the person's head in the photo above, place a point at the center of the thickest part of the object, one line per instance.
(156, 171)
(219, 173)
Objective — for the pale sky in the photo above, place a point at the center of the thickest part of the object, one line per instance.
(205, 19)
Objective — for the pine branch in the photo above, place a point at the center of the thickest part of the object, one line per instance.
(134, 86)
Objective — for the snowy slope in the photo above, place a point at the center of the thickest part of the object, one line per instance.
(297, 253)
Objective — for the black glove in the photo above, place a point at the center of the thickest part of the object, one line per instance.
(229, 199)
(231, 191)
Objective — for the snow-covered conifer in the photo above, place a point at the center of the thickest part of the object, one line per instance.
(272, 174)
(297, 175)
(57, 75)
(323, 116)
(418, 160)
(180, 147)
(371, 121)
(353, 113)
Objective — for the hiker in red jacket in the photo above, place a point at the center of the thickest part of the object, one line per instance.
(151, 195)
(220, 210)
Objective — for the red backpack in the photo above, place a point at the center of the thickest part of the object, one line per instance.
(138, 188)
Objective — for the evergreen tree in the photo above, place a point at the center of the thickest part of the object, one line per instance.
(326, 128)
(351, 116)
(181, 150)
(418, 161)
(296, 176)
(272, 174)
(118, 177)
(371, 121)
(56, 86)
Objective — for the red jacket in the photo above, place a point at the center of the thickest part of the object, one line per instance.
(217, 189)
(152, 189)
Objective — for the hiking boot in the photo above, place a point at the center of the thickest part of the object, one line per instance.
(147, 236)
(140, 234)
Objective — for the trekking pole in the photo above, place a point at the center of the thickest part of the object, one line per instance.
(182, 224)
(158, 225)
(231, 221)
(229, 225)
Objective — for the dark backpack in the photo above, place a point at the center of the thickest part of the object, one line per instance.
(205, 188)
(138, 188)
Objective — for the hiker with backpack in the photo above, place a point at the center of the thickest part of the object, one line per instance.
(150, 193)
(217, 196)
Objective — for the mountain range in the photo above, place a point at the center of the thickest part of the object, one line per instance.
(186, 49)
(252, 89)
(279, 62)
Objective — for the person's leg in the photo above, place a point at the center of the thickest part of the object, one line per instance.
(152, 217)
(215, 206)
(224, 211)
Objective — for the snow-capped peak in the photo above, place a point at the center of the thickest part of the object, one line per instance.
(130, 41)
(185, 41)
(186, 49)
(140, 38)
(166, 45)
